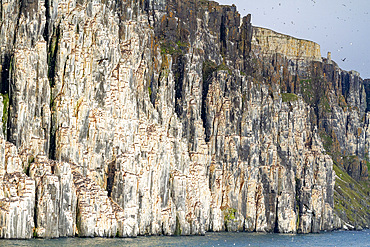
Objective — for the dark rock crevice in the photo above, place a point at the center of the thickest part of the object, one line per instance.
(276, 225)
(209, 68)
(5, 73)
(53, 49)
(48, 21)
(179, 73)
(111, 176)
(7, 67)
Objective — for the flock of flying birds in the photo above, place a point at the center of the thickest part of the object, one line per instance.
(342, 19)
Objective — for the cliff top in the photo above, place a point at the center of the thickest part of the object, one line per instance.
(271, 42)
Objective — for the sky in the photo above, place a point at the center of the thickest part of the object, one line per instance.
(339, 26)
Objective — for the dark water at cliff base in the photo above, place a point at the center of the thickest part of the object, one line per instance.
(337, 238)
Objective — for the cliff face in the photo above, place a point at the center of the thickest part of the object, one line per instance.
(125, 118)
(338, 101)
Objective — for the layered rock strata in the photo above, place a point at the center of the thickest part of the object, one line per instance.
(131, 118)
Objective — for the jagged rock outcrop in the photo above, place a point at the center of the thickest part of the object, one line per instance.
(17, 205)
(172, 117)
(17, 196)
(300, 53)
(56, 198)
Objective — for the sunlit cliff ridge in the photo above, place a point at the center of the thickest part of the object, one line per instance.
(146, 117)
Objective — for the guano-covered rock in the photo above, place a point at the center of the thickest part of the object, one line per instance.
(126, 118)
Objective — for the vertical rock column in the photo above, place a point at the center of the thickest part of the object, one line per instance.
(17, 195)
(29, 118)
(56, 198)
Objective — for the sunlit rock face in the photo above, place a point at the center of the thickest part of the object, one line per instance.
(126, 118)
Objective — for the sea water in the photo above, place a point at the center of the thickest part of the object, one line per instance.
(336, 238)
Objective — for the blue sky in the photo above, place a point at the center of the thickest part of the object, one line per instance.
(339, 26)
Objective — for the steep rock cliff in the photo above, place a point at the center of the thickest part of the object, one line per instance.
(126, 118)
(338, 101)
